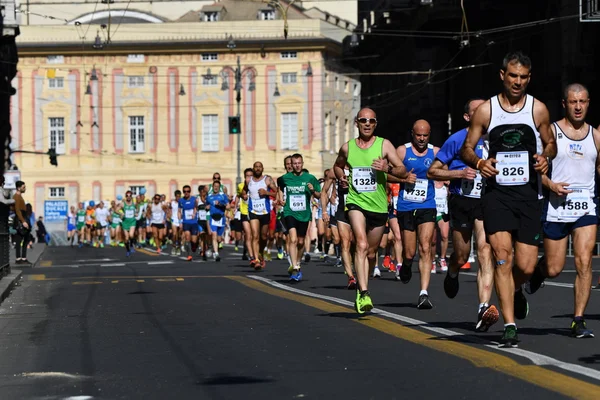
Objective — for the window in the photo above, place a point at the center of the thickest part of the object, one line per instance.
(137, 136)
(336, 133)
(56, 83)
(326, 79)
(337, 83)
(210, 57)
(289, 131)
(57, 134)
(289, 77)
(57, 192)
(356, 90)
(289, 54)
(135, 58)
(210, 132)
(267, 15)
(327, 130)
(55, 60)
(135, 190)
(136, 81)
(346, 131)
(210, 16)
(346, 87)
(210, 80)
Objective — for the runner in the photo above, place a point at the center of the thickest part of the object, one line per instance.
(367, 157)
(142, 223)
(219, 202)
(116, 217)
(416, 208)
(129, 222)
(243, 205)
(175, 224)
(396, 264)
(187, 214)
(204, 230)
(280, 230)
(71, 225)
(90, 223)
(81, 225)
(157, 215)
(521, 142)
(443, 227)
(466, 218)
(259, 206)
(344, 229)
(570, 208)
(102, 215)
(299, 188)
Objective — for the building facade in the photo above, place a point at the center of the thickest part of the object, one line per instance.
(150, 106)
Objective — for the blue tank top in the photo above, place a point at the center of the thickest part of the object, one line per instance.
(421, 194)
(187, 209)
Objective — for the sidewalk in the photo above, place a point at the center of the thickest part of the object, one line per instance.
(33, 255)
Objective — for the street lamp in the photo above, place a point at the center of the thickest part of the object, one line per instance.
(238, 73)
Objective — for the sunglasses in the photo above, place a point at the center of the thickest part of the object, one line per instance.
(186, 191)
(365, 120)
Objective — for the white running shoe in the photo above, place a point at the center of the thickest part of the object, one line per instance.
(443, 265)
(376, 272)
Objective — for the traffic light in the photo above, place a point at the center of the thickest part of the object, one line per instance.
(234, 125)
(52, 154)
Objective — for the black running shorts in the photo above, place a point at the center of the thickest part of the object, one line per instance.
(522, 218)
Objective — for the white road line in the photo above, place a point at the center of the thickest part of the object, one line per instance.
(160, 262)
(536, 358)
(121, 264)
(97, 259)
(113, 265)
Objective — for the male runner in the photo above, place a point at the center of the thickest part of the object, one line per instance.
(570, 207)
(280, 231)
(187, 215)
(243, 206)
(367, 158)
(129, 222)
(299, 188)
(466, 218)
(175, 224)
(416, 208)
(157, 215)
(259, 206)
(219, 202)
(521, 142)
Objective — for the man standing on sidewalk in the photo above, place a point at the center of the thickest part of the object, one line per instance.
(21, 224)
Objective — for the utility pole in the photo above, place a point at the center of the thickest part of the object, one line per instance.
(8, 70)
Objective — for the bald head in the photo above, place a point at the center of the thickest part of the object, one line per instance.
(421, 126)
(366, 122)
(575, 88)
(366, 112)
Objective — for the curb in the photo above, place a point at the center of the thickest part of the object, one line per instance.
(8, 282)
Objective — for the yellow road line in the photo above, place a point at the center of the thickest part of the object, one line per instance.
(545, 378)
(114, 281)
(45, 264)
(147, 252)
(179, 279)
(87, 283)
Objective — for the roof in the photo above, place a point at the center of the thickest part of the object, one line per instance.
(241, 10)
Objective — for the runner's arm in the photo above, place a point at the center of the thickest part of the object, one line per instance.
(439, 171)
(326, 185)
(479, 124)
(394, 165)
(542, 116)
(340, 163)
(596, 134)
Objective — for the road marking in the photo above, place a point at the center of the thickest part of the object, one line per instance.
(53, 375)
(142, 250)
(113, 265)
(117, 264)
(160, 262)
(114, 281)
(536, 374)
(41, 277)
(140, 280)
(45, 264)
(165, 280)
(37, 277)
(179, 279)
(97, 259)
(87, 283)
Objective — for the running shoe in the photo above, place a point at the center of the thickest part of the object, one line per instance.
(306, 257)
(488, 316)
(290, 270)
(189, 258)
(386, 262)
(451, 285)
(536, 281)
(280, 253)
(363, 302)
(443, 264)
(404, 274)
(393, 267)
(509, 337)
(127, 254)
(235, 248)
(376, 272)
(433, 267)
(424, 303)
(220, 245)
(580, 330)
(351, 283)
(217, 257)
(521, 305)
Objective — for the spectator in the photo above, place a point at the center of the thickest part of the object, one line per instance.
(21, 224)
(41, 231)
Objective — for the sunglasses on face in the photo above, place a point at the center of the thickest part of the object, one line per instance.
(186, 191)
(365, 120)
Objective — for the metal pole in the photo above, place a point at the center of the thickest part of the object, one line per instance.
(238, 98)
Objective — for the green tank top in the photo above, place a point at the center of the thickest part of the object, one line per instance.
(129, 211)
(80, 216)
(367, 186)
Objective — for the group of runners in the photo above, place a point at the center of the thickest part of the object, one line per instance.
(506, 181)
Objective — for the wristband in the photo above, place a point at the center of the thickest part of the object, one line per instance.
(478, 162)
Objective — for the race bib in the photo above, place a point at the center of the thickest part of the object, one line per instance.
(441, 202)
(513, 168)
(238, 215)
(201, 215)
(472, 187)
(116, 220)
(395, 202)
(259, 206)
(417, 192)
(297, 202)
(188, 214)
(218, 223)
(575, 204)
(81, 218)
(364, 179)
(128, 213)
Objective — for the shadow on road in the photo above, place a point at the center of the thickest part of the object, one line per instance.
(346, 315)
(234, 380)
(338, 287)
(593, 359)
(570, 316)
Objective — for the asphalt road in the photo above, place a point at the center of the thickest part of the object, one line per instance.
(89, 322)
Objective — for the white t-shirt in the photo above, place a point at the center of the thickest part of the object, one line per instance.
(102, 216)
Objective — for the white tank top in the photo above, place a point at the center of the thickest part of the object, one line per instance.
(174, 211)
(158, 214)
(575, 164)
(256, 204)
(441, 200)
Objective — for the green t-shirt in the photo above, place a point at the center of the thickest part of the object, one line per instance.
(80, 217)
(129, 212)
(116, 218)
(297, 198)
(367, 187)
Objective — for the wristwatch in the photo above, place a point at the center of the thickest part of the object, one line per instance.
(390, 168)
